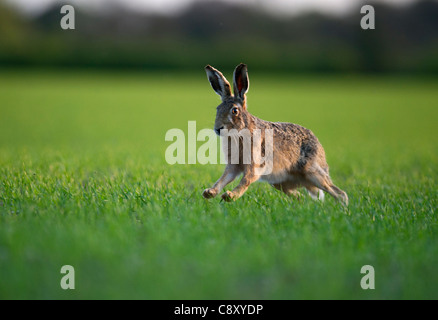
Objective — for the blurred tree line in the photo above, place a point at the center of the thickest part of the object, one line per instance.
(405, 39)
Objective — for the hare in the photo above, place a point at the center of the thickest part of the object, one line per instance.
(298, 157)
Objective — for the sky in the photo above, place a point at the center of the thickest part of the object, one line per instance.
(172, 6)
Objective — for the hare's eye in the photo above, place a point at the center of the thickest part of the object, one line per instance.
(234, 111)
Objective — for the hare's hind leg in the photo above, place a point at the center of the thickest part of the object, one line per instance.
(315, 193)
(289, 188)
(320, 179)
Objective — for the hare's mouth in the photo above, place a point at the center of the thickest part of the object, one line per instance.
(218, 131)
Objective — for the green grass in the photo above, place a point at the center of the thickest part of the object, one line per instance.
(84, 183)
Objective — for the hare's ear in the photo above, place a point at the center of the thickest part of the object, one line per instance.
(241, 82)
(218, 82)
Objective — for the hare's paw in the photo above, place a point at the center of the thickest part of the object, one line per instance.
(209, 193)
(344, 199)
(228, 196)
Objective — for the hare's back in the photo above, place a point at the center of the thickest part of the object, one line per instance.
(297, 143)
(295, 134)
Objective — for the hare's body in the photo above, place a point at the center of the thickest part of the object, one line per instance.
(298, 157)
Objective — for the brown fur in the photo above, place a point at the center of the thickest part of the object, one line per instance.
(299, 158)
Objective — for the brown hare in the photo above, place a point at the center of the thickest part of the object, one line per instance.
(298, 159)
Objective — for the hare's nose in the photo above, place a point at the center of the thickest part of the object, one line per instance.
(218, 131)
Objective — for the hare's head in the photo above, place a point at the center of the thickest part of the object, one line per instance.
(231, 113)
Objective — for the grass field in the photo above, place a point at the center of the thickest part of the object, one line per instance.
(84, 183)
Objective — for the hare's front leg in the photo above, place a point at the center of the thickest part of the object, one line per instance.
(227, 177)
(248, 178)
